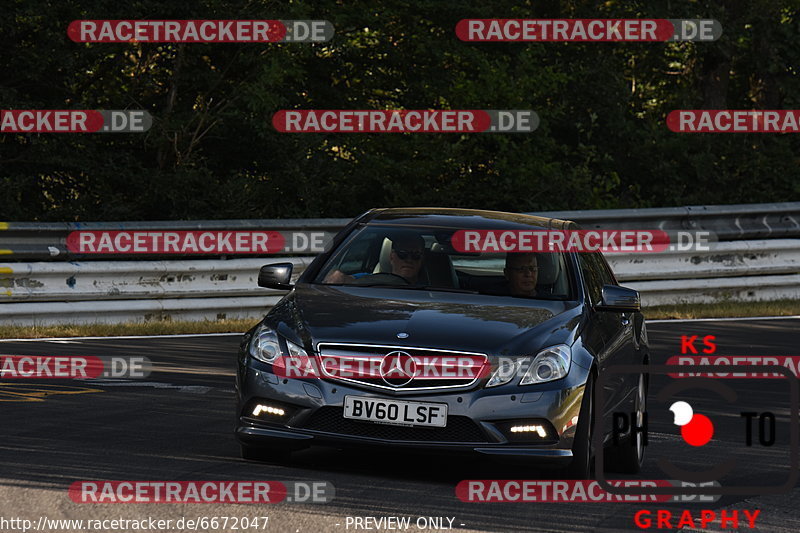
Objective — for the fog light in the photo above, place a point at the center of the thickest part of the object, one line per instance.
(539, 430)
(268, 409)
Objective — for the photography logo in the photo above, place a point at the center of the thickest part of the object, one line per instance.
(703, 431)
(696, 429)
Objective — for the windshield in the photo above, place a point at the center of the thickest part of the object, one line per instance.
(424, 259)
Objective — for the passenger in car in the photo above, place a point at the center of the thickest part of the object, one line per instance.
(521, 272)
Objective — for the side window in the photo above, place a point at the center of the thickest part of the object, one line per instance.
(592, 276)
(606, 274)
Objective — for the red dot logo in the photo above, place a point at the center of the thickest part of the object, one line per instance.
(696, 429)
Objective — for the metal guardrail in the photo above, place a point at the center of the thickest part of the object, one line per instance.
(24, 241)
(58, 292)
(140, 280)
(126, 291)
(723, 259)
(715, 290)
(727, 222)
(743, 271)
(47, 241)
(112, 291)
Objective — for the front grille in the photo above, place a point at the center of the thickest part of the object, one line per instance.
(459, 428)
(433, 368)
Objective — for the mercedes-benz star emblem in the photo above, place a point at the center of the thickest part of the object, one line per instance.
(398, 369)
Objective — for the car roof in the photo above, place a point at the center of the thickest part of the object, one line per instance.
(443, 217)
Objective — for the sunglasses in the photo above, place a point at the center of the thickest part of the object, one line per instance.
(404, 255)
(527, 268)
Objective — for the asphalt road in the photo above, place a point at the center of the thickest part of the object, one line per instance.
(177, 425)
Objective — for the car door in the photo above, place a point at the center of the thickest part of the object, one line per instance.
(605, 330)
(594, 333)
(623, 337)
(620, 334)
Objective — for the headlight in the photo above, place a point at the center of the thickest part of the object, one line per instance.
(298, 364)
(549, 365)
(506, 371)
(265, 346)
(295, 350)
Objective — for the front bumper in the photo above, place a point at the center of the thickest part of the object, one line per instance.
(478, 418)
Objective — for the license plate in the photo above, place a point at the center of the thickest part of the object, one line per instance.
(395, 412)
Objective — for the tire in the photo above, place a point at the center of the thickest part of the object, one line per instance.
(581, 465)
(265, 454)
(627, 456)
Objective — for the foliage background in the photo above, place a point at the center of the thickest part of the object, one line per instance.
(213, 154)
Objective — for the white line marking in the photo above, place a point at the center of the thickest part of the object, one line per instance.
(181, 336)
(721, 319)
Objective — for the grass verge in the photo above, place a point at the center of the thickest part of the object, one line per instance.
(724, 310)
(718, 310)
(165, 327)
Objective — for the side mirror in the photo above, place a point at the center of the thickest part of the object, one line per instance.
(276, 276)
(620, 299)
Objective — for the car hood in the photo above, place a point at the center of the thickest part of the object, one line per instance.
(432, 319)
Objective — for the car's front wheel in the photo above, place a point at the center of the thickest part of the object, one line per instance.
(627, 456)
